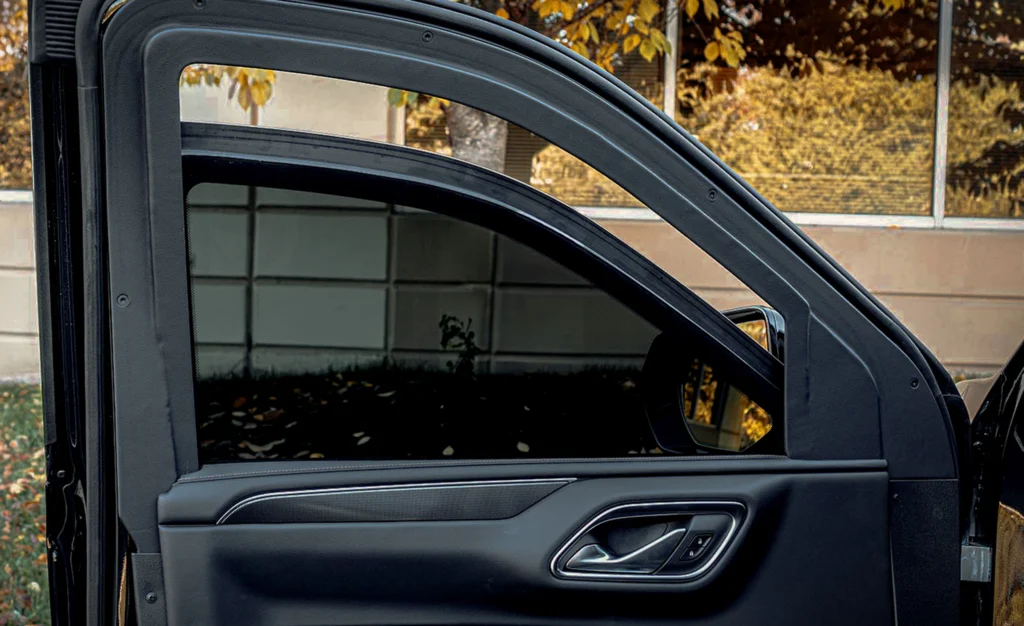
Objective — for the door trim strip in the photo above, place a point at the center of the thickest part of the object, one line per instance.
(439, 486)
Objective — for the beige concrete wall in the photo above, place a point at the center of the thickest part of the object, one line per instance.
(960, 292)
(354, 109)
(19, 331)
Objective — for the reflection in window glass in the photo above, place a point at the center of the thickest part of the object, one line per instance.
(719, 415)
(831, 109)
(985, 153)
(336, 327)
(723, 417)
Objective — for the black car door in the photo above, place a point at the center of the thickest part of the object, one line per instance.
(823, 527)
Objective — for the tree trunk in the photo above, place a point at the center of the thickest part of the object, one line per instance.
(477, 137)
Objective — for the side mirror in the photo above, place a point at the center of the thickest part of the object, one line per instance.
(691, 406)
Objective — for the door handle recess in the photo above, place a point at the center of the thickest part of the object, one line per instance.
(644, 560)
(651, 542)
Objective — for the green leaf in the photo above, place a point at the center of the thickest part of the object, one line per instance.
(396, 97)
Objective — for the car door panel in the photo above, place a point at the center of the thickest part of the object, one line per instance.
(782, 564)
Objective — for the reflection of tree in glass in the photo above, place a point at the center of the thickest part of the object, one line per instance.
(755, 422)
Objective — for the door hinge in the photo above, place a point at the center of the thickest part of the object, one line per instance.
(975, 564)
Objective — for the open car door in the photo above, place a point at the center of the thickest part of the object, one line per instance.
(849, 511)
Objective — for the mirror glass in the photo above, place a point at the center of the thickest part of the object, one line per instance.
(717, 414)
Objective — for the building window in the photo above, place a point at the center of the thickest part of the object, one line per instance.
(985, 145)
(831, 110)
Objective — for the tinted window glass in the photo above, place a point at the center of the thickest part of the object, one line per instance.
(334, 327)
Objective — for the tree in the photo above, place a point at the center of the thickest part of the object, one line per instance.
(15, 130)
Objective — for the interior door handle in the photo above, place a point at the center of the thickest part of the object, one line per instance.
(653, 542)
(644, 560)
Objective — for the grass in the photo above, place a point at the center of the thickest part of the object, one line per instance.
(24, 598)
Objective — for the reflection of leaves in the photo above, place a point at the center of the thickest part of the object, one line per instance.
(460, 336)
(756, 330)
(262, 448)
(581, 414)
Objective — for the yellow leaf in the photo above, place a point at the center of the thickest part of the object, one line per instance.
(641, 27)
(594, 35)
(568, 10)
(648, 10)
(502, 13)
(647, 50)
(261, 93)
(710, 9)
(630, 43)
(711, 51)
(547, 7)
(659, 40)
(691, 7)
(580, 49)
(730, 54)
(244, 96)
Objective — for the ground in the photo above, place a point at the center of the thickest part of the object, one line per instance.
(24, 598)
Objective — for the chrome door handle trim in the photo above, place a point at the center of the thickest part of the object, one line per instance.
(734, 509)
(643, 560)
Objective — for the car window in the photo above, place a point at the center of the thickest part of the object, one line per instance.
(336, 327)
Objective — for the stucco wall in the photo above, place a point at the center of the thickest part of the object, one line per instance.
(960, 291)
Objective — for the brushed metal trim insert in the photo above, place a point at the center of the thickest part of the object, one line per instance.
(302, 493)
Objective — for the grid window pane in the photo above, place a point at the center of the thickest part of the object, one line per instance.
(985, 153)
(830, 108)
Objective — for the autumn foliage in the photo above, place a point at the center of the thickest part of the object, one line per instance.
(15, 135)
